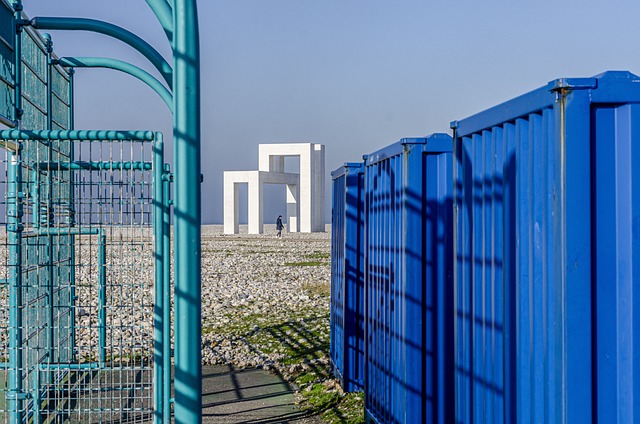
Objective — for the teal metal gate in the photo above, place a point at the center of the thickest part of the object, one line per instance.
(86, 218)
(57, 241)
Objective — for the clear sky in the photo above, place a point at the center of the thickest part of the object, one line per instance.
(355, 75)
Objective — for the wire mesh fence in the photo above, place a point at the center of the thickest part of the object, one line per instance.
(77, 281)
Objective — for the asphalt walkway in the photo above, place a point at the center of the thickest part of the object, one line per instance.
(248, 396)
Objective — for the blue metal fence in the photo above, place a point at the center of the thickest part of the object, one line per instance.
(408, 246)
(347, 276)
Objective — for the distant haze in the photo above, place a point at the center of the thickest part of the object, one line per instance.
(355, 75)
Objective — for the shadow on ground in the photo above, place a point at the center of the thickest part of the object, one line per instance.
(248, 396)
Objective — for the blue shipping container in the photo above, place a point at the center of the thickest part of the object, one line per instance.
(409, 282)
(347, 276)
(547, 222)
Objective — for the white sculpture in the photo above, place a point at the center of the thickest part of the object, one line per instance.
(305, 191)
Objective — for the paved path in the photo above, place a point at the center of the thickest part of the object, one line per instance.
(248, 396)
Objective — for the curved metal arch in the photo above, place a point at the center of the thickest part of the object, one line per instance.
(119, 65)
(164, 13)
(93, 25)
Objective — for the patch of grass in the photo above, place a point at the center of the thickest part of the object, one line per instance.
(318, 255)
(309, 263)
(319, 399)
(348, 410)
(317, 289)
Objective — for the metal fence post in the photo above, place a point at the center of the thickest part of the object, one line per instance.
(166, 289)
(160, 305)
(102, 296)
(187, 214)
(15, 395)
(14, 233)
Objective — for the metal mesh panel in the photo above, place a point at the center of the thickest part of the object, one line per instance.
(34, 83)
(60, 105)
(82, 323)
(7, 63)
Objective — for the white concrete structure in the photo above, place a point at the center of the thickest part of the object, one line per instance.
(305, 191)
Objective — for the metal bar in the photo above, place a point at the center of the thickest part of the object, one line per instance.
(95, 166)
(17, 80)
(50, 296)
(102, 297)
(81, 366)
(62, 231)
(159, 307)
(84, 366)
(35, 193)
(166, 291)
(83, 24)
(37, 417)
(164, 13)
(14, 229)
(186, 136)
(72, 238)
(77, 135)
(127, 68)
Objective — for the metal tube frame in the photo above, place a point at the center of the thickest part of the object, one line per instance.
(187, 214)
(185, 81)
(159, 307)
(93, 25)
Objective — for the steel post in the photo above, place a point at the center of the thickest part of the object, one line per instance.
(49, 198)
(15, 396)
(159, 304)
(102, 297)
(187, 218)
(72, 238)
(166, 291)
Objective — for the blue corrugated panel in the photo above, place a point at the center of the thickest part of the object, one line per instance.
(347, 276)
(546, 217)
(408, 282)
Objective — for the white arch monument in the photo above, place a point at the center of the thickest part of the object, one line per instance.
(305, 191)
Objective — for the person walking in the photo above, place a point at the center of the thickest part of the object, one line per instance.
(279, 226)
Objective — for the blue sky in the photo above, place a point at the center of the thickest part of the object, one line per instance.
(355, 75)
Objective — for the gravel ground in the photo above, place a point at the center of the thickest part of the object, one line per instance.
(265, 301)
(253, 285)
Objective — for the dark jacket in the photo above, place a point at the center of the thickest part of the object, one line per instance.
(279, 225)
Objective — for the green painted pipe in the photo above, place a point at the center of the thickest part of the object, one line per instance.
(163, 12)
(37, 401)
(102, 297)
(14, 237)
(49, 199)
(159, 305)
(83, 24)
(94, 166)
(72, 239)
(166, 317)
(62, 231)
(78, 135)
(119, 65)
(187, 214)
